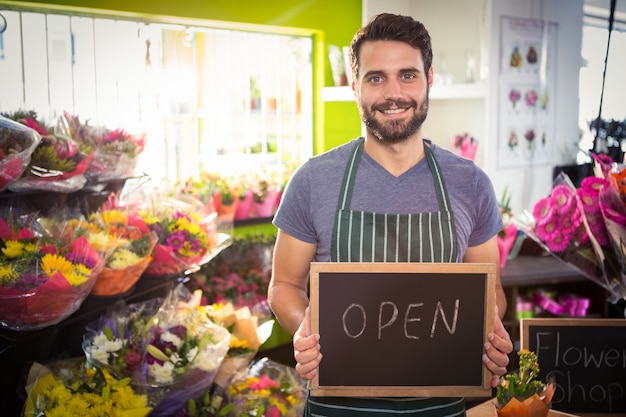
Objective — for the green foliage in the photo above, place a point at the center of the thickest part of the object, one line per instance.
(521, 384)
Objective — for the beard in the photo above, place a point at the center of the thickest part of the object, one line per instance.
(394, 131)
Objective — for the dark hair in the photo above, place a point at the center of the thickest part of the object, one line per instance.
(392, 27)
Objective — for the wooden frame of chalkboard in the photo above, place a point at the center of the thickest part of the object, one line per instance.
(585, 356)
(402, 329)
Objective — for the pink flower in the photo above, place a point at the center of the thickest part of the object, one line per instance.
(562, 198)
(542, 208)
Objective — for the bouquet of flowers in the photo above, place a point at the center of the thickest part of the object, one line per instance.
(57, 163)
(116, 151)
(267, 388)
(508, 234)
(249, 328)
(44, 276)
(17, 143)
(131, 244)
(520, 393)
(72, 388)
(465, 145)
(187, 234)
(585, 226)
(173, 353)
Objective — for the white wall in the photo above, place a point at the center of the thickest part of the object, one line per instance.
(473, 25)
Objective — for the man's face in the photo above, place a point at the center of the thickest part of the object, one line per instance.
(392, 90)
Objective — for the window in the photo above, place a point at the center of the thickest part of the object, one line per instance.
(209, 97)
(595, 38)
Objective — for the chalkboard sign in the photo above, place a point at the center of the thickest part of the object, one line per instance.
(402, 329)
(586, 357)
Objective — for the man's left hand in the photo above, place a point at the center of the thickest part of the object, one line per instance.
(497, 350)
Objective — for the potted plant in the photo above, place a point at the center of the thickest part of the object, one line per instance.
(520, 393)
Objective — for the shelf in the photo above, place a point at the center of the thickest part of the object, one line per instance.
(438, 92)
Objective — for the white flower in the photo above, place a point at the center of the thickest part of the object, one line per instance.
(100, 340)
(206, 360)
(191, 355)
(113, 345)
(162, 373)
(172, 338)
(100, 355)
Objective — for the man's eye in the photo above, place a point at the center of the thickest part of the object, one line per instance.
(376, 79)
(408, 76)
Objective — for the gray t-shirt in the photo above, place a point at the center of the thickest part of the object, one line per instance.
(309, 203)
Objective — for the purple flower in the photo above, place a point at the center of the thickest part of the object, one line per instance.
(177, 239)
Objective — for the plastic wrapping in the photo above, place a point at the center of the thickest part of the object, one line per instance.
(166, 347)
(17, 143)
(44, 275)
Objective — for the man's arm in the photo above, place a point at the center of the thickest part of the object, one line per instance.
(498, 345)
(488, 253)
(288, 288)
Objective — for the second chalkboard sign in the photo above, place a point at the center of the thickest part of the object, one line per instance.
(585, 357)
(402, 329)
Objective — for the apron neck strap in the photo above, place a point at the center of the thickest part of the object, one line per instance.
(349, 176)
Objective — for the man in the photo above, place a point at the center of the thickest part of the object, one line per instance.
(391, 176)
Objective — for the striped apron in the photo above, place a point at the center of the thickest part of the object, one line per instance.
(374, 237)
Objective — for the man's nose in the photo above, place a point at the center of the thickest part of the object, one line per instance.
(393, 89)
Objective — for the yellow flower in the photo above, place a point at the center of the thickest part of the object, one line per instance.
(53, 263)
(102, 241)
(149, 218)
(7, 274)
(114, 217)
(13, 249)
(80, 273)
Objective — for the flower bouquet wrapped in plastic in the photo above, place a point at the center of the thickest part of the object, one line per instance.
(173, 354)
(130, 241)
(115, 151)
(17, 143)
(249, 328)
(187, 232)
(71, 387)
(44, 276)
(267, 388)
(57, 163)
(584, 227)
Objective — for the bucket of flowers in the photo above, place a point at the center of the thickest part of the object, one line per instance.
(187, 232)
(57, 164)
(131, 244)
(267, 388)
(17, 143)
(115, 151)
(44, 275)
(73, 387)
(520, 393)
(172, 353)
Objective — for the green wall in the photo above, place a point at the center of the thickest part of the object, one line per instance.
(335, 20)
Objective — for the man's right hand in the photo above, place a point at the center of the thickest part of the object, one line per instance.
(306, 348)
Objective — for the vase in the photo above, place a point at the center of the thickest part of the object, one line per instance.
(533, 406)
(266, 208)
(242, 210)
(505, 243)
(224, 209)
